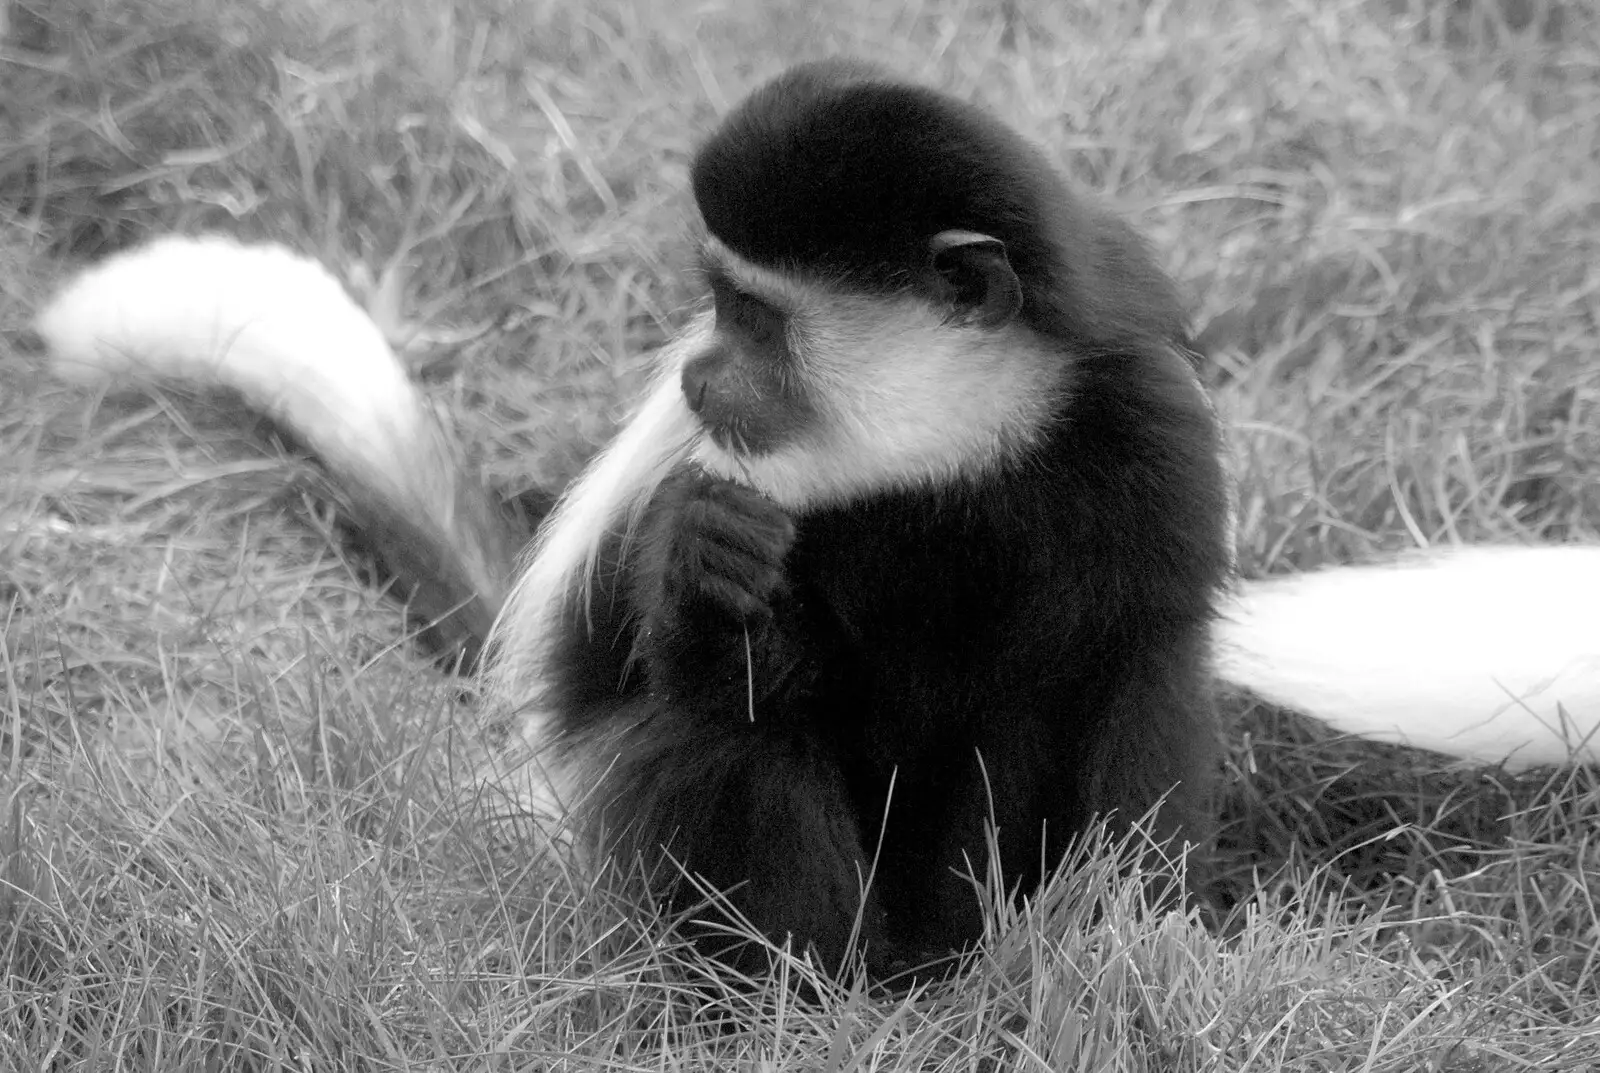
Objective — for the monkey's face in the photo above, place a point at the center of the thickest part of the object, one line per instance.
(815, 393)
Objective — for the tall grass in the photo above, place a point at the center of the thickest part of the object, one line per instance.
(235, 832)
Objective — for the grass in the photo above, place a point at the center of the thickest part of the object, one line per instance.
(233, 829)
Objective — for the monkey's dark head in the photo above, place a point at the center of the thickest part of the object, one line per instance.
(899, 282)
(839, 171)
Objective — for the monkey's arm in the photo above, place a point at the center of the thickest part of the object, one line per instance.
(716, 619)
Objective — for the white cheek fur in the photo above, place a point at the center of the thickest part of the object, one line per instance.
(615, 487)
(903, 399)
(559, 570)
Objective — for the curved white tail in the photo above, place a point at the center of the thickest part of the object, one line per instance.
(281, 331)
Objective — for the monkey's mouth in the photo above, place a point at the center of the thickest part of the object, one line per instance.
(732, 437)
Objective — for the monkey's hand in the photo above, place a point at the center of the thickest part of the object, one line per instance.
(709, 569)
(715, 549)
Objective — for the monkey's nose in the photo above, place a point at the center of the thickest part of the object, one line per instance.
(700, 377)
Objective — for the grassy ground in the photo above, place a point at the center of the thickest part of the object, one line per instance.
(233, 833)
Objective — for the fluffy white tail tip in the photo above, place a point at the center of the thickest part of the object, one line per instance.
(1491, 654)
(274, 325)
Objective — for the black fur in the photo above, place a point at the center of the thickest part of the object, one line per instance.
(1029, 646)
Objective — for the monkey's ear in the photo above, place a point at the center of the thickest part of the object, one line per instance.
(972, 274)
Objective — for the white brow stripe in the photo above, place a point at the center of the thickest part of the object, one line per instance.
(781, 290)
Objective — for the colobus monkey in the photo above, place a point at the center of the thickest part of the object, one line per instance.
(922, 526)
(923, 529)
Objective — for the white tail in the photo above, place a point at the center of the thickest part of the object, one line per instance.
(1486, 653)
(1490, 654)
(262, 320)
(280, 330)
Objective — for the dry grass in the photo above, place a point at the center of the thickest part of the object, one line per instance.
(233, 832)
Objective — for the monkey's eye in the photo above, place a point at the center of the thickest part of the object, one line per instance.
(745, 313)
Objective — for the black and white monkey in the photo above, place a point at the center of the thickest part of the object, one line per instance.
(882, 531)
(922, 527)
